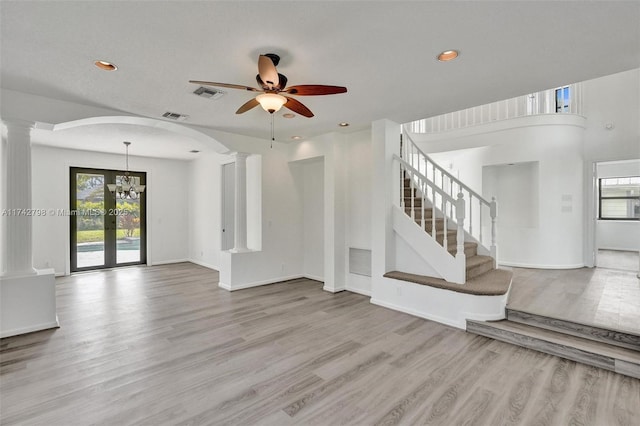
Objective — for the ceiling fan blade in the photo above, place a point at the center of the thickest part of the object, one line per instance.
(227, 85)
(251, 103)
(267, 71)
(295, 106)
(314, 89)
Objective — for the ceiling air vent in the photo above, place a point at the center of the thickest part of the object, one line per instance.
(175, 116)
(208, 93)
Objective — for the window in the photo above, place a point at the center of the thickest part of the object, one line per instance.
(620, 198)
(562, 99)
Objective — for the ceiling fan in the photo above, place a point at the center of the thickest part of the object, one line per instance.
(273, 89)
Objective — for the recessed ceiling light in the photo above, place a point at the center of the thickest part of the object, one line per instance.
(104, 65)
(288, 115)
(448, 55)
(296, 138)
(194, 151)
(343, 124)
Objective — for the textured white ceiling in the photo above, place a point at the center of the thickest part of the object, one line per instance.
(383, 52)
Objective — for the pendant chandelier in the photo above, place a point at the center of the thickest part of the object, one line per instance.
(128, 187)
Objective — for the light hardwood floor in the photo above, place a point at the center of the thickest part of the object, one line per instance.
(164, 345)
(601, 297)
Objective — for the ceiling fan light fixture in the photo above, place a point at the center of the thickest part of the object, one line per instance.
(271, 102)
(105, 65)
(448, 55)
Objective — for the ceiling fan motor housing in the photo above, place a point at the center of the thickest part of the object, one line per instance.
(274, 58)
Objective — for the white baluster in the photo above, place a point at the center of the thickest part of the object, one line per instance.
(494, 216)
(402, 176)
(445, 243)
(460, 209)
(413, 214)
(470, 213)
(423, 200)
(480, 226)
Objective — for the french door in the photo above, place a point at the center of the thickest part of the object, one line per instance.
(105, 231)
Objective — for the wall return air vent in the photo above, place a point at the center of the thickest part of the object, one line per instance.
(175, 116)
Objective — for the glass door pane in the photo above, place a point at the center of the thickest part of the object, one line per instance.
(128, 235)
(89, 215)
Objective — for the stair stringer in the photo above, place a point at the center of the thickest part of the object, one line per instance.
(450, 268)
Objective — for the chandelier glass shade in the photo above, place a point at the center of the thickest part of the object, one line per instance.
(127, 186)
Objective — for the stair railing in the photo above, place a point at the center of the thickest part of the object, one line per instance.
(479, 212)
(418, 185)
(561, 100)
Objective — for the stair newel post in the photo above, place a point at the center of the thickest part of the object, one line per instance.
(460, 213)
(494, 215)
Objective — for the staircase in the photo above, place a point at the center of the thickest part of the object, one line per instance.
(450, 215)
(608, 349)
(476, 264)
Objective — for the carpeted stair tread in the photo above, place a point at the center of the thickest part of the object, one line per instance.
(474, 261)
(493, 283)
(470, 249)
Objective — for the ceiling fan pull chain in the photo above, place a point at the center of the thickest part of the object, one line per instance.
(272, 133)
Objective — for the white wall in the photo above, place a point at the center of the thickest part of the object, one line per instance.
(313, 219)
(167, 204)
(556, 240)
(281, 254)
(204, 209)
(612, 108)
(331, 148)
(359, 160)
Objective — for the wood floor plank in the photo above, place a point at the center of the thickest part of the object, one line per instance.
(164, 345)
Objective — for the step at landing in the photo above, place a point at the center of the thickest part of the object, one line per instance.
(599, 354)
(613, 337)
(493, 283)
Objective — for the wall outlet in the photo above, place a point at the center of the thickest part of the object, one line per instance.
(398, 290)
(282, 268)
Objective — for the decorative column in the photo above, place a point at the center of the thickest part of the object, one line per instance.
(18, 244)
(240, 224)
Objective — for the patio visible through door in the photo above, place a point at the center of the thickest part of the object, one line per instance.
(106, 230)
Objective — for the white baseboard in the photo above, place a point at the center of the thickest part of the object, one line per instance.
(359, 291)
(441, 320)
(536, 266)
(333, 290)
(205, 264)
(30, 329)
(315, 278)
(168, 262)
(258, 283)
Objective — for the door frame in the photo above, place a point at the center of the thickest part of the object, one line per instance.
(110, 238)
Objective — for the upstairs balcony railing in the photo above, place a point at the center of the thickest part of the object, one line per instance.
(562, 100)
